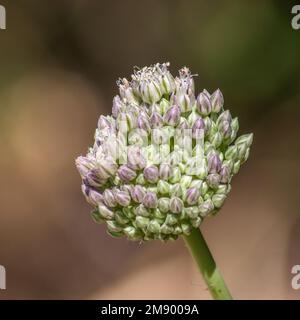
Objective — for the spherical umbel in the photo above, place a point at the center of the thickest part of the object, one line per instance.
(165, 158)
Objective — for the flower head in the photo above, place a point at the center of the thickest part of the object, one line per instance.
(165, 158)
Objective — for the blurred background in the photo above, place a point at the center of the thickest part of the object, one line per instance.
(59, 62)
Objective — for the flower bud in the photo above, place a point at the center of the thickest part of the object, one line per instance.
(196, 184)
(164, 171)
(198, 128)
(122, 198)
(186, 181)
(151, 174)
(105, 212)
(164, 204)
(231, 153)
(126, 91)
(84, 165)
(176, 190)
(217, 101)
(154, 227)
(126, 174)
(138, 193)
(92, 196)
(192, 196)
(141, 210)
(109, 198)
(93, 179)
(142, 222)
(206, 208)
(166, 229)
(150, 200)
(163, 187)
(172, 116)
(246, 139)
(176, 205)
(156, 120)
(175, 175)
(213, 162)
(143, 123)
(131, 233)
(218, 200)
(236, 167)
(117, 106)
(135, 158)
(213, 180)
(171, 220)
(203, 104)
(225, 173)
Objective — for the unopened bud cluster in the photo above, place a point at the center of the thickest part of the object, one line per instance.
(165, 158)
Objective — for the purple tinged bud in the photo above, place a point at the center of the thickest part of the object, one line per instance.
(135, 158)
(204, 106)
(150, 200)
(217, 101)
(164, 171)
(176, 205)
(225, 116)
(143, 123)
(151, 174)
(138, 194)
(83, 165)
(109, 198)
(172, 116)
(108, 167)
(92, 196)
(206, 92)
(156, 120)
(225, 129)
(214, 162)
(213, 180)
(192, 196)
(126, 174)
(95, 197)
(225, 173)
(94, 179)
(122, 198)
(104, 123)
(117, 106)
(198, 127)
(126, 188)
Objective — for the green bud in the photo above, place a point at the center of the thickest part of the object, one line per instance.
(231, 153)
(164, 204)
(175, 175)
(141, 222)
(186, 181)
(166, 229)
(113, 226)
(96, 216)
(154, 227)
(171, 220)
(218, 200)
(186, 229)
(163, 187)
(236, 167)
(196, 222)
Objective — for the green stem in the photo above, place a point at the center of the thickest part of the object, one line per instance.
(207, 266)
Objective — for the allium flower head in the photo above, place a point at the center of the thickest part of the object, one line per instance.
(165, 158)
